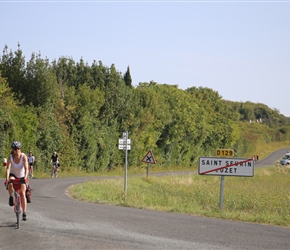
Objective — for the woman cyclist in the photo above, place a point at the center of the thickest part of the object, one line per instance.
(17, 167)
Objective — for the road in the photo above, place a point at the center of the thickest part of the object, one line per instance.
(271, 160)
(56, 221)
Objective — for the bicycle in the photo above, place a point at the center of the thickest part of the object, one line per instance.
(54, 170)
(17, 200)
(30, 175)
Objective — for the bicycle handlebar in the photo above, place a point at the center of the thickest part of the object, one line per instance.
(18, 181)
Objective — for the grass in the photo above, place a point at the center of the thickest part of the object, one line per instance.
(264, 198)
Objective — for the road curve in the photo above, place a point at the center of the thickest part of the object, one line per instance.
(271, 159)
(56, 221)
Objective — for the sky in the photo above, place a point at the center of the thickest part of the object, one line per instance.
(239, 48)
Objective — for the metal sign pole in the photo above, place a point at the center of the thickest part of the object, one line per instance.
(126, 162)
(125, 144)
(147, 170)
(222, 191)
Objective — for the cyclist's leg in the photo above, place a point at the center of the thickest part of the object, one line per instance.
(29, 171)
(10, 187)
(55, 169)
(22, 193)
(52, 170)
(11, 190)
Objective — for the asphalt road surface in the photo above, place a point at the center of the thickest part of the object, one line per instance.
(56, 221)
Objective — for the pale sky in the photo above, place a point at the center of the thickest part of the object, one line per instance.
(241, 49)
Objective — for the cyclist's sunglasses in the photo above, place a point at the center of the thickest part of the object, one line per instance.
(16, 148)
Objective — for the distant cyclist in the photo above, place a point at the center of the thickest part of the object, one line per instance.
(31, 160)
(55, 162)
(17, 167)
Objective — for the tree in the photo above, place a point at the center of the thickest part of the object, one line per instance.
(41, 85)
(13, 69)
(7, 125)
(65, 72)
(127, 78)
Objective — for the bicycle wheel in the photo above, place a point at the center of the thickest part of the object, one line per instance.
(29, 174)
(54, 172)
(17, 220)
(17, 211)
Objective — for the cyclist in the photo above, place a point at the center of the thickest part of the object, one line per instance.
(17, 167)
(54, 161)
(31, 160)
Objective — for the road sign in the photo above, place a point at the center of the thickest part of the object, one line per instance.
(226, 166)
(225, 152)
(123, 141)
(149, 158)
(123, 147)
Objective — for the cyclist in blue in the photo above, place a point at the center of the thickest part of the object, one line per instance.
(17, 167)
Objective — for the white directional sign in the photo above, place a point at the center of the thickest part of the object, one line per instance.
(123, 141)
(226, 166)
(124, 144)
(123, 147)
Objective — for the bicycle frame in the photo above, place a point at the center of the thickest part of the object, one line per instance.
(54, 170)
(29, 172)
(17, 207)
(17, 201)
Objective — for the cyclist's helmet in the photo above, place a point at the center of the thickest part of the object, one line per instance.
(16, 144)
(54, 153)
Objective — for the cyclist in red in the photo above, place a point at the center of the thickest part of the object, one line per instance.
(17, 167)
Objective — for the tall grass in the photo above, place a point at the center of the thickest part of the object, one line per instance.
(264, 198)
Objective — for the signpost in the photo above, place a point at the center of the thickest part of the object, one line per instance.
(225, 152)
(125, 144)
(149, 159)
(225, 167)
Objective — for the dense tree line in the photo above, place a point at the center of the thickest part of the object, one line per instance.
(81, 111)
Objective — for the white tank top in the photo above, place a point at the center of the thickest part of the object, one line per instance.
(17, 169)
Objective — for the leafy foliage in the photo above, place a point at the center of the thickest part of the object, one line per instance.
(81, 111)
